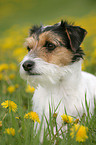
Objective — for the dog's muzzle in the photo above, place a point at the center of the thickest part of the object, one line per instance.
(28, 66)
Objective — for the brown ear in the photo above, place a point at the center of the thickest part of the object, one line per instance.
(75, 35)
(69, 39)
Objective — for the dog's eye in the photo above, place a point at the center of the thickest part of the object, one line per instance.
(28, 48)
(50, 46)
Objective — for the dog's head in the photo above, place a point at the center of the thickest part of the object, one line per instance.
(51, 49)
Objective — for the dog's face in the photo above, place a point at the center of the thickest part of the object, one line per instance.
(51, 50)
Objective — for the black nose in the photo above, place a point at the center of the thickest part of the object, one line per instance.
(28, 65)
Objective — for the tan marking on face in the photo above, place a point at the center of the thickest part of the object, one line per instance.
(49, 36)
(60, 55)
(31, 42)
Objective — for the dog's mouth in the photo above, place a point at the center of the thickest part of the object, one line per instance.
(34, 74)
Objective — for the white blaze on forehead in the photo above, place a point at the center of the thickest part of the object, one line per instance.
(43, 28)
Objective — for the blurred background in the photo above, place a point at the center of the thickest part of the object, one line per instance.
(16, 17)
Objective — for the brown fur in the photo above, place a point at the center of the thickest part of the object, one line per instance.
(60, 55)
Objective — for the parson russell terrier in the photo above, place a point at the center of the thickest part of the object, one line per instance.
(53, 65)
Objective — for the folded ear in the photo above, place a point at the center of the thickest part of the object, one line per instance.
(75, 35)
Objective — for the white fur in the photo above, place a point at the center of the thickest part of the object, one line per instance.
(67, 84)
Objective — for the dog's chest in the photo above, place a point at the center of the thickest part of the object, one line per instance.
(53, 96)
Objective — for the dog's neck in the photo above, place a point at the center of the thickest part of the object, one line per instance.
(70, 80)
(73, 77)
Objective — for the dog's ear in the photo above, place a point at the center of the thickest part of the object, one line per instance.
(75, 35)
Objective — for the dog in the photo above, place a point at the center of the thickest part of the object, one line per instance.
(53, 66)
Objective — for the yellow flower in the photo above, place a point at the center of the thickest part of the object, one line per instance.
(33, 116)
(80, 131)
(1, 76)
(11, 76)
(29, 89)
(0, 123)
(9, 104)
(10, 131)
(17, 117)
(66, 118)
(3, 67)
(11, 89)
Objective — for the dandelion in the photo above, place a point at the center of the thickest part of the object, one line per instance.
(11, 89)
(33, 116)
(9, 104)
(10, 131)
(29, 89)
(17, 117)
(11, 76)
(0, 123)
(3, 67)
(66, 118)
(80, 131)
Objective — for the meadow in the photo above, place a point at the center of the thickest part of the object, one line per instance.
(18, 124)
